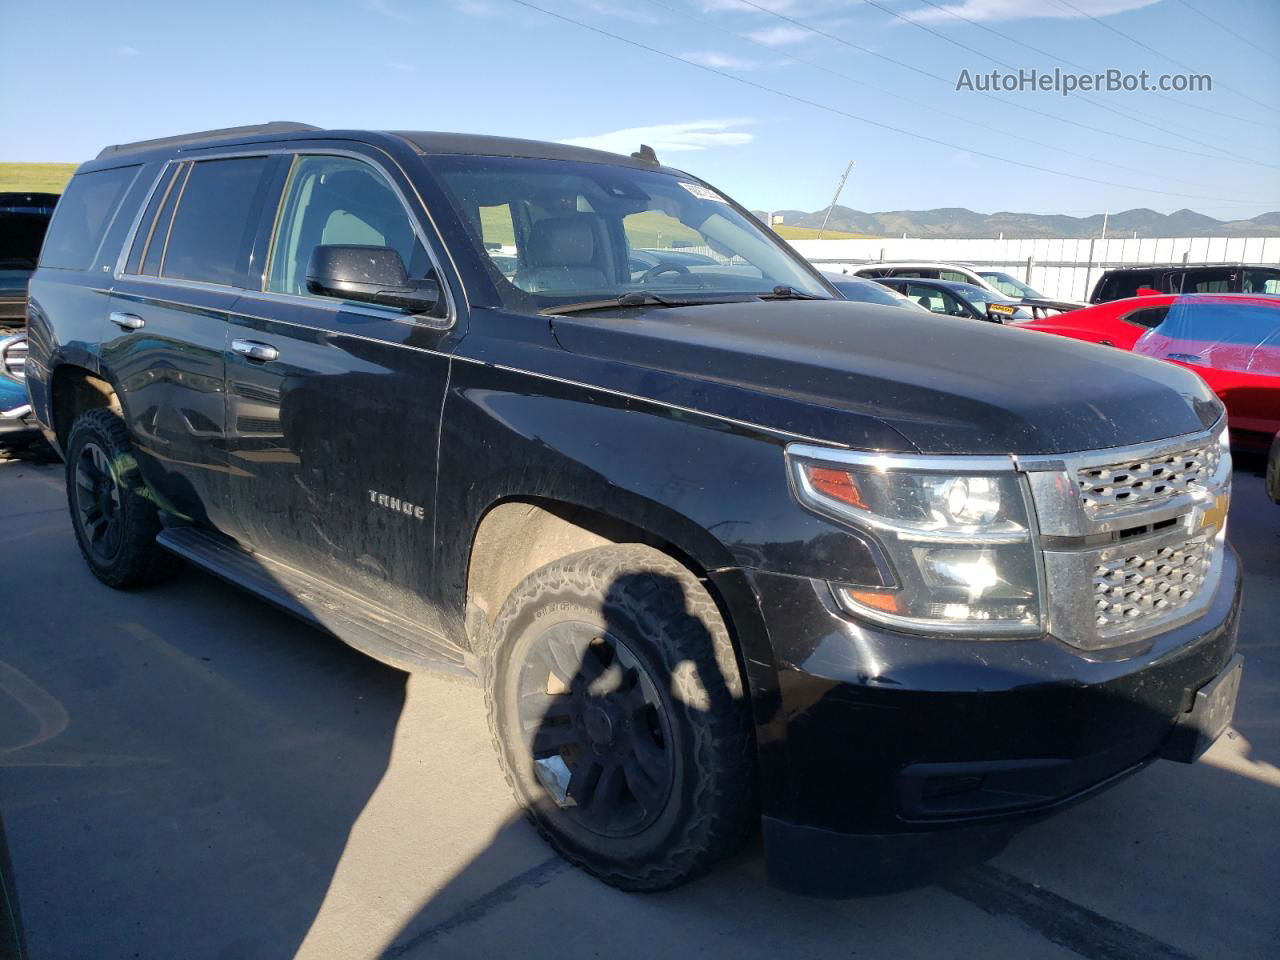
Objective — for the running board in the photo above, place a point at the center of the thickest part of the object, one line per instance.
(369, 627)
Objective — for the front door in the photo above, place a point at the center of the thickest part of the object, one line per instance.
(167, 337)
(333, 407)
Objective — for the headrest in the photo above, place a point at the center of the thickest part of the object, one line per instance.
(562, 242)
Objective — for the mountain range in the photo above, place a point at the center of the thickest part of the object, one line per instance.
(961, 222)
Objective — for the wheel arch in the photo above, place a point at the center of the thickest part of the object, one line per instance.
(519, 534)
(74, 389)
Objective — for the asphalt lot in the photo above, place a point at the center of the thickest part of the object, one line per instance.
(186, 773)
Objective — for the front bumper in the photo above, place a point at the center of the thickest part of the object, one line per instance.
(871, 735)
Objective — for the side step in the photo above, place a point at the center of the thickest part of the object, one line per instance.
(370, 628)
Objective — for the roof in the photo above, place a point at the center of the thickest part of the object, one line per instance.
(1189, 266)
(424, 142)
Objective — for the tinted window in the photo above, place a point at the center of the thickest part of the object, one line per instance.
(1149, 317)
(1201, 281)
(1261, 281)
(1118, 286)
(214, 221)
(149, 235)
(82, 217)
(336, 200)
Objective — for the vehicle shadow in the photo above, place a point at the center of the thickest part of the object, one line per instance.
(212, 757)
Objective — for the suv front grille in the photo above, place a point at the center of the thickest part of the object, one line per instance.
(1134, 483)
(1131, 589)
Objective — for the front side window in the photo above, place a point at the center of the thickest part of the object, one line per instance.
(338, 201)
(82, 216)
(935, 300)
(586, 232)
(1011, 286)
(214, 221)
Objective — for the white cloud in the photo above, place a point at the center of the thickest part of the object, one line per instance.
(1025, 9)
(669, 137)
(126, 51)
(720, 61)
(779, 36)
(387, 9)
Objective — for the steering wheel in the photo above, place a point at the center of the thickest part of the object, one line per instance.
(661, 269)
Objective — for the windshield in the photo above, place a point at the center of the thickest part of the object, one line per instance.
(977, 295)
(557, 232)
(1011, 286)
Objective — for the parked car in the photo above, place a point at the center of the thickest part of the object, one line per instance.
(16, 423)
(713, 543)
(1035, 303)
(1122, 283)
(959, 299)
(24, 217)
(868, 291)
(1231, 340)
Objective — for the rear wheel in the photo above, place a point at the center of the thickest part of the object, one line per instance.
(114, 517)
(618, 714)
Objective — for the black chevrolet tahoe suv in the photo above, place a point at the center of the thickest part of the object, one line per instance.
(721, 547)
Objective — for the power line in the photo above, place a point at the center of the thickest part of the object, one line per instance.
(849, 116)
(1239, 36)
(919, 104)
(1164, 56)
(1221, 155)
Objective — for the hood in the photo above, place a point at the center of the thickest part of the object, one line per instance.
(947, 385)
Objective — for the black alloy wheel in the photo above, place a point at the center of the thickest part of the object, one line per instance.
(597, 728)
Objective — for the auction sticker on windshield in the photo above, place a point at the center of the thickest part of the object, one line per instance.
(701, 192)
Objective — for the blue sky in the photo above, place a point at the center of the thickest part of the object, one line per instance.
(84, 74)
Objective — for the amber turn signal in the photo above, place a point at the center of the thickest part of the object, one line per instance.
(836, 484)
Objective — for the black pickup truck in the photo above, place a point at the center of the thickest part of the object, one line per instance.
(722, 548)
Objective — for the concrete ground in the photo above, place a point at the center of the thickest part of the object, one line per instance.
(186, 773)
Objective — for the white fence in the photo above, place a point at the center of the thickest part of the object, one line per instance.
(1063, 269)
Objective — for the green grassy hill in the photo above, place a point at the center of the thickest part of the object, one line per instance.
(35, 177)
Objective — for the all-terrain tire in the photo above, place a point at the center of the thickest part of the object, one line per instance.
(131, 558)
(665, 618)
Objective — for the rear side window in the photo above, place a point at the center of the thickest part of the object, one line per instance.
(1119, 286)
(214, 221)
(1147, 317)
(82, 216)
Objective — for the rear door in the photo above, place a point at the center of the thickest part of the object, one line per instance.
(333, 407)
(167, 336)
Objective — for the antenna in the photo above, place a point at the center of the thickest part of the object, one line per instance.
(645, 155)
(839, 189)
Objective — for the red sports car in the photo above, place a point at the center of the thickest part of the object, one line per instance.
(1231, 340)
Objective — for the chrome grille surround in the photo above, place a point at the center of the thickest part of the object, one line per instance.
(1117, 487)
(13, 356)
(1119, 570)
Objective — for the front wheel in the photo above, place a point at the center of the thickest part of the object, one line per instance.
(618, 713)
(114, 516)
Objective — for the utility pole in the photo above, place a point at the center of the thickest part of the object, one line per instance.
(839, 188)
(1105, 215)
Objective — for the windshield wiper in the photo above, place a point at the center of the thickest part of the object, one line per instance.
(635, 300)
(783, 292)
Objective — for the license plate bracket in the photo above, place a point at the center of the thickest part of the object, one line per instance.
(1211, 712)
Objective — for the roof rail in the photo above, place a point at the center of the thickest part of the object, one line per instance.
(252, 130)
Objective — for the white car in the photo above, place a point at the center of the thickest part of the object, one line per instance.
(993, 281)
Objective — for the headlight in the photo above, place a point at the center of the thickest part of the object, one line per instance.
(959, 543)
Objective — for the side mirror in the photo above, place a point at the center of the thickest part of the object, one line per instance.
(369, 274)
